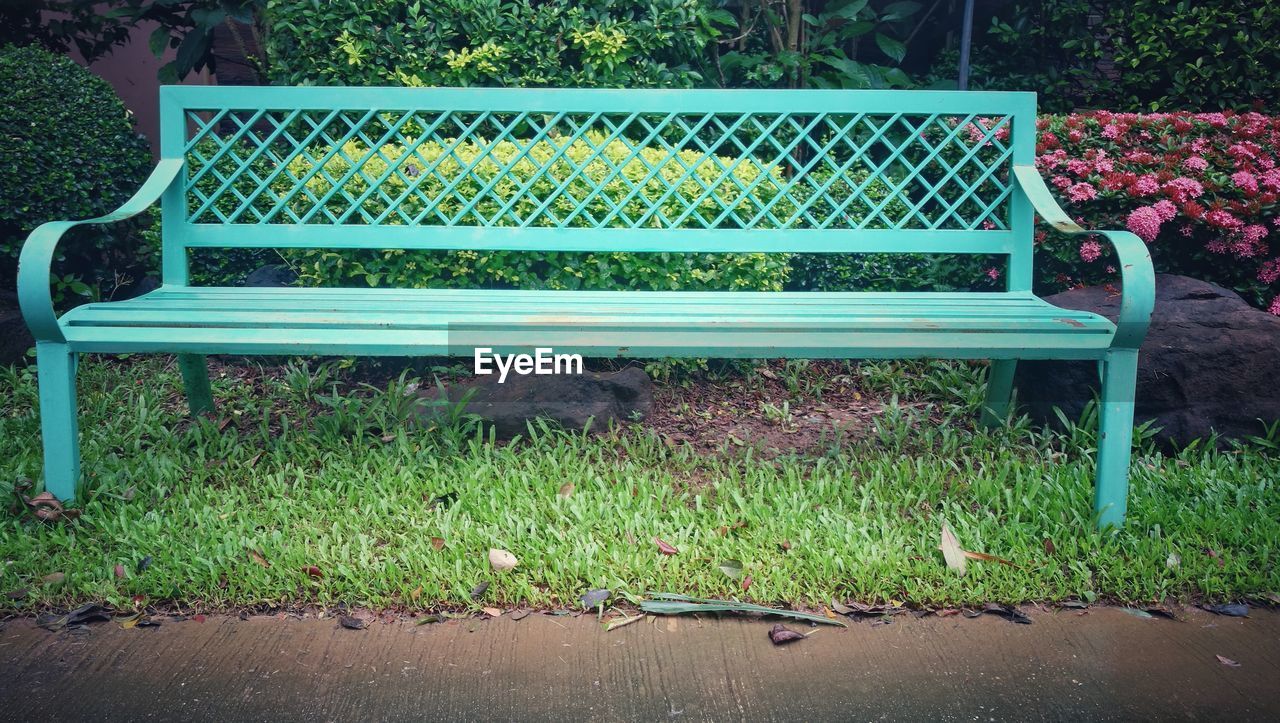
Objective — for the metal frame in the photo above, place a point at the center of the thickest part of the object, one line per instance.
(667, 171)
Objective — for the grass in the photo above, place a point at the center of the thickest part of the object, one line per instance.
(306, 476)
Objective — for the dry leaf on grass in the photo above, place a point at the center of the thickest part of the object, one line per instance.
(665, 547)
(501, 560)
(951, 550)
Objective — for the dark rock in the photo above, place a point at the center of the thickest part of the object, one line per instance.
(15, 340)
(270, 276)
(1210, 362)
(569, 400)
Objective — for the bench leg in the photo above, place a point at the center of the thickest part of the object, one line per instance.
(1115, 436)
(59, 430)
(195, 380)
(999, 390)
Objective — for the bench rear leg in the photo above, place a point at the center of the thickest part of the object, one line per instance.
(995, 410)
(1115, 437)
(59, 429)
(195, 380)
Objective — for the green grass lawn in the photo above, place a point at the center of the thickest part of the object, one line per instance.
(400, 517)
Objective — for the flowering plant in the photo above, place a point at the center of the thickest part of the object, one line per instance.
(1202, 190)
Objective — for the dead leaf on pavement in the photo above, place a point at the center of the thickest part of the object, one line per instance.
(951, 550)
(492, 612)
(664, 547)
(781, 635)
(1233, 610)
(1007, 611)
(623, 622)
(89, 612)
(1227, 661)
(352, 623)
(520, 614)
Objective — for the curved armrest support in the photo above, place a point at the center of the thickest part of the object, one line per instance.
(36, 261)
(1136, 272)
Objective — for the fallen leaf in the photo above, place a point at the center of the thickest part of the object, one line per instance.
(1215, 555)
(731, 568)
(520, 614)
(1007, 611)
(1074, 604)
(1227, 661)
(664, 547)
(671, 604)
(951, 550)
(86, 613)
(437, 543)
(594, 598)
(780, 635)
(417, 593)
(1274, 598)
(18, 594)
(746, 583)
(623, 622)
(198, 617)
(566, 489)
(313, 571)
(119, 571)
(258, 558)
(501, 560)
(947, 612)
(841, 608)
(143, 564)
(984, 557)
(785, 545)
(54, 578)
(1234, 610)
(46, 507)
(441, 501)
(132, 621)
(130, 492)
(1138, 613)
(428, 619)
(1173, 561)
(492, 612)
(1049, 547)
(479, 590)
(352, 623)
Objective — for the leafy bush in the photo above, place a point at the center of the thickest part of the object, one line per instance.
(597, 181)
(610, 43)
(1140, 55)
(71, 152)
(1201, 189)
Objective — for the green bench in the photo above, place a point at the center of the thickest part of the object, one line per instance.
(644, 171)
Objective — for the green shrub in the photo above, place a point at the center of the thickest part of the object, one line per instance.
(554, 270)
(1137, 56)
(69, 151)
(597, 43)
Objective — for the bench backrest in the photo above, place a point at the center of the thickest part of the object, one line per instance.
(590, 170)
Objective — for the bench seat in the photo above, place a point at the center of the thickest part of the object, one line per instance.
(596, 323)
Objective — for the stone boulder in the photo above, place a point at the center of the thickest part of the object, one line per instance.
(569, 400)
(1210, 362)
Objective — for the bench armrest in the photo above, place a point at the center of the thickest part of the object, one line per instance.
(36, 262)
(1136, 272)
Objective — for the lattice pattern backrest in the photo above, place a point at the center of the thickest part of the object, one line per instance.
(600, 159)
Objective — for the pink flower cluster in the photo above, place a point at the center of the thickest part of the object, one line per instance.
(1211, 180)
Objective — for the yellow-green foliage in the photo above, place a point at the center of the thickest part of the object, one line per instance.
(545, 185)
